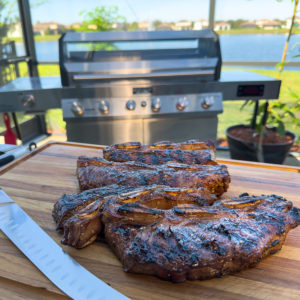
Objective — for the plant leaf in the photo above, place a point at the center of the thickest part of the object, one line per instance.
(280, 65)
(244, 104)
(293, 93)
(281, 129)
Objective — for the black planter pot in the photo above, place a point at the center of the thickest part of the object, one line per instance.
(272, 153)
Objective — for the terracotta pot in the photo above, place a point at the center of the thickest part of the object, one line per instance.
(272, 153)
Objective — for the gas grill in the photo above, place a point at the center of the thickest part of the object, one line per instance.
(142, 86)
(142, 77)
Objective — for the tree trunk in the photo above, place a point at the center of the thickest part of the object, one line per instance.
(288, 38)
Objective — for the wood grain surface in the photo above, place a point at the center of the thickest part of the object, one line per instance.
(38, 180)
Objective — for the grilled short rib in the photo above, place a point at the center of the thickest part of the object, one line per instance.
(79, 215)
(95, 172)
(192, 242)
(69, 204)
(189, 152)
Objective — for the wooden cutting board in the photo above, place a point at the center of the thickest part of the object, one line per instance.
(36, 181)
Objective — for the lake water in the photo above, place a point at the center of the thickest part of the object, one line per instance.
(235, 47)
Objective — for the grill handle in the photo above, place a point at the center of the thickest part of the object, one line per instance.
(85, 77)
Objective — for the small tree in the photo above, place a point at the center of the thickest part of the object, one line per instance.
(133, 26)
(100, 19)
(156, 24)
(5, 18)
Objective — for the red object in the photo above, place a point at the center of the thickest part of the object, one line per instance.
(9, 136)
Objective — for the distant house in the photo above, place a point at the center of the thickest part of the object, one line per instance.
(288, 22)
(222, 26)
(165, 26)
(248, 24)
(144, 26)
(76, 25)
(183, 25)
(118, 26)
(92, 26)
(268, 24)
(15, 30)
(200, 24)
(47, 28)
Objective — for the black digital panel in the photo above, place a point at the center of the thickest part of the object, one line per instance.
(141, 91)
(250, 90)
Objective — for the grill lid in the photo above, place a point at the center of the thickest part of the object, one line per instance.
(133, 55)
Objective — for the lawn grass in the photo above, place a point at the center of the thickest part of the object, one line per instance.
(232, 113)
(37, 38)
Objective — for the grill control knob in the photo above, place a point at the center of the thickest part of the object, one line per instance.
(207, 102)
(130, 105)
(182, 103)
(143, 103)
(77, 109)
(155, 104)
(104, 107)
(28, 100)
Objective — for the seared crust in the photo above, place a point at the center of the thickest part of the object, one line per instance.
(192, 242)
(79, 215)
(176, 230)
(193, 144)
(69, 204)
(98, 172)
(189, 152)
(82, 228)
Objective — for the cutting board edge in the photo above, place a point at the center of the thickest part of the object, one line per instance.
(18, 161)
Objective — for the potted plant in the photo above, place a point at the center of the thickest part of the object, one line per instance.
(267, 140)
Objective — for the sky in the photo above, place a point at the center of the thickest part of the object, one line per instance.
(67, 11)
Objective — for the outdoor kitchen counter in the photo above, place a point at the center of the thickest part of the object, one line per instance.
(48, 91)
(37, 180)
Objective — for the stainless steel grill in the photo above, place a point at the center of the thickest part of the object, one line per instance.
(143, 86)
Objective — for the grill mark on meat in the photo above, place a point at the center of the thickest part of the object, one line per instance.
(196, 243)
(79, 214)
(179, 247)
(172, 232)
(97, 172)
(69, 204)
(155, 157)
(190, 152)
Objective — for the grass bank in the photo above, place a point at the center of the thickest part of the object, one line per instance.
(45, 38)
(232, 109)
(37, 38)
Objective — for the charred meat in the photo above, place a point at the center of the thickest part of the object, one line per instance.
(79, 215)
(98, 172)
(82, 228)
(70, 204)
(189, 152)
(192, 242)
(156, 206)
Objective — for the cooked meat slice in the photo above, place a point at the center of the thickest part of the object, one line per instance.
(189, 152)
(69, 204)
(82, 229)
(97, 172)
(157, 157)
(82, 225)
(162, 145)
(192, 242)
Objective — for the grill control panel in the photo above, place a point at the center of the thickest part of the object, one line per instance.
(139, 105)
